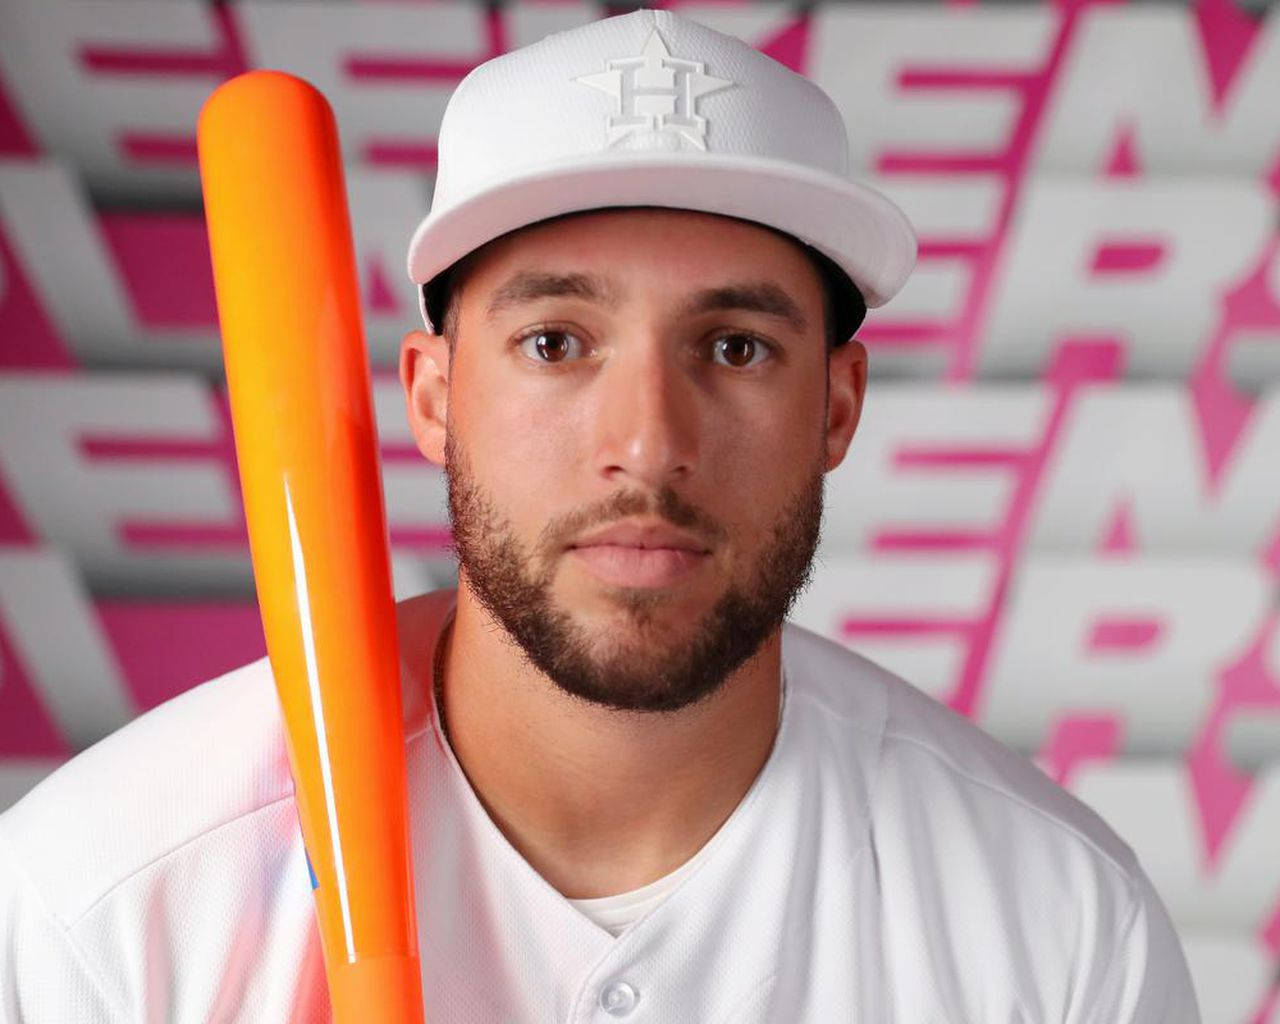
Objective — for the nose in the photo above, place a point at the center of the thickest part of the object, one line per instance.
(646, 415)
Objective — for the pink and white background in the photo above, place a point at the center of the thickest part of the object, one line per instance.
(1061, 514)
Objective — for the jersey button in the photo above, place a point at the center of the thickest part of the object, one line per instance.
(618, 998)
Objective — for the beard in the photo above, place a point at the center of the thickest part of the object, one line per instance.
(659, 672)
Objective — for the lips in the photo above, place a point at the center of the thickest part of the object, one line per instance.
(638, 567)
(639, 554)
(647, 536)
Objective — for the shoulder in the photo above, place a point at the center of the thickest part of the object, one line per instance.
(208, 768)
(196, 763)
(968, 838)
(164, 851)
(942, 760)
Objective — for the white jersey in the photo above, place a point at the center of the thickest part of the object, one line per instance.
(891, 862)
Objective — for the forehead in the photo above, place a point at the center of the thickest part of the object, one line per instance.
(684, 247)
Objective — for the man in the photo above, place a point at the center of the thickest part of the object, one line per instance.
(635, 793)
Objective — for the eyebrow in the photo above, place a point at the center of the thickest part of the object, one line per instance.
(528, 285)
(756, 296)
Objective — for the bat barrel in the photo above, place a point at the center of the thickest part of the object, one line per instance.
(298, 377)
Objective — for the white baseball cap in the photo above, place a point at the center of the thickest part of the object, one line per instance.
(652, 109)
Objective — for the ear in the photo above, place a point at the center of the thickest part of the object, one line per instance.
(424, 375)
(846, 386)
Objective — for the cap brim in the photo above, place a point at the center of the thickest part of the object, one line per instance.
(857, 227)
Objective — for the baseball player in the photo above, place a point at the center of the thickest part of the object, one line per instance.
(636, 792)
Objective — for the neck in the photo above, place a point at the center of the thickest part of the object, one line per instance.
(598, 801)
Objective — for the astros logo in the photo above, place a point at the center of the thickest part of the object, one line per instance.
(657, 98)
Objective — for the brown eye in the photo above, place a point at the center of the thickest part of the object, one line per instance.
(739, 350)
(550, 346)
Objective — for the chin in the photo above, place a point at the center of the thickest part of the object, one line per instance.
(612, 607)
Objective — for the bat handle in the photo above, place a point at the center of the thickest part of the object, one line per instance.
(388, 983)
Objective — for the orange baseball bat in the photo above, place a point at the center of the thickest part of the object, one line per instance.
(298, 376)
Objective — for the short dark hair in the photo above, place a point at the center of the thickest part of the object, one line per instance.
(843, 305)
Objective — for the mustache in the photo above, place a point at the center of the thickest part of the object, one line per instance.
(666, 505)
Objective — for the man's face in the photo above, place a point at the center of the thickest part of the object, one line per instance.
(663, 371)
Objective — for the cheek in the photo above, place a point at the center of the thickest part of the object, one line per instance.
(764, 441)
(521, 440)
